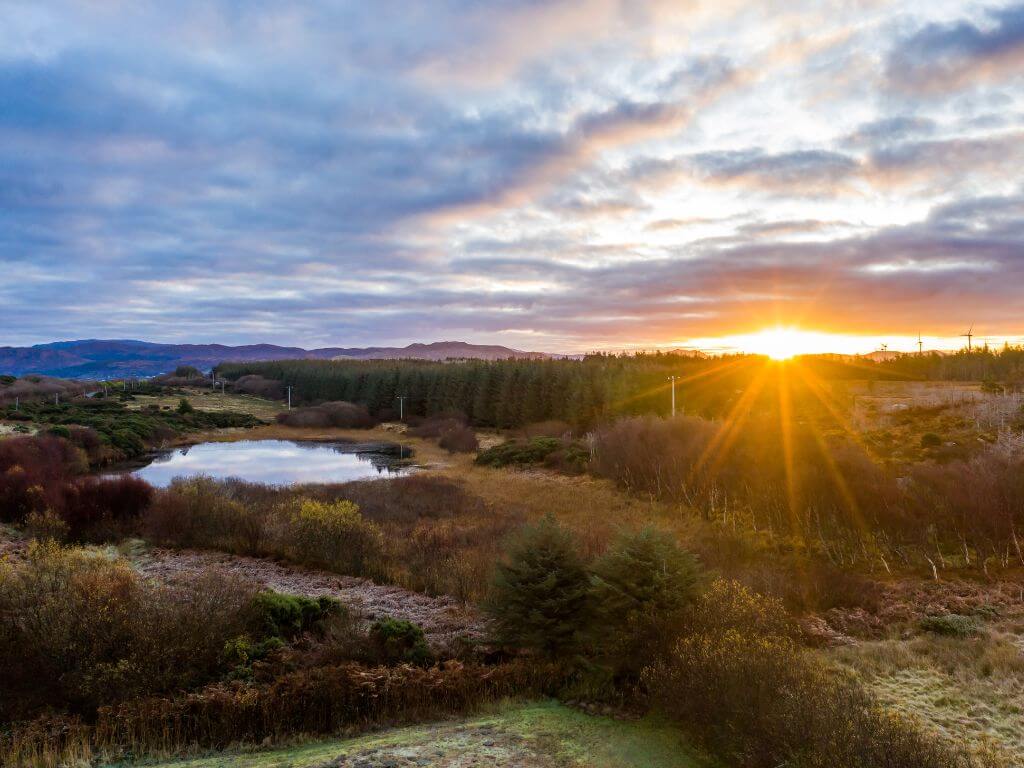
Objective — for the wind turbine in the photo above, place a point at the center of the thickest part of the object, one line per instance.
(970, 337)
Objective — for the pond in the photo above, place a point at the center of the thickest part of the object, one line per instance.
(278, 462)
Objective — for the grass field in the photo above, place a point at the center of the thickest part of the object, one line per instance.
(968, 689)
(205, 400)
(514, 736)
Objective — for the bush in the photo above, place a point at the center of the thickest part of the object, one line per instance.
(951, 625)
(104, 507)
(285, 616)
(518, 453)
(184, 406)
(46, 526)
(398, 641)
(713, 467)
(89, 440)
(260, 387)
(33, 471)
(334, 536)
(436, 426)
(539, 596)
(728, 605)
(337, 414)
(640, 589)
(77, 631)
(459, 440)
(410, 497)
(196, 512)
(930, 440)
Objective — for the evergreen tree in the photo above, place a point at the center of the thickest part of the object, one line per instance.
(539, 597)
(640, 588)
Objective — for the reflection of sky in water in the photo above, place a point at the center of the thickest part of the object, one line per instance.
(277, 462)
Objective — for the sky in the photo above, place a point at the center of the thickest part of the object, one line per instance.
(556, 175)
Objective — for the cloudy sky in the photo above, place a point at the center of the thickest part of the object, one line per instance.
(550, 174)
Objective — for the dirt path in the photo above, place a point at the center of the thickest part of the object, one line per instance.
(443, 619)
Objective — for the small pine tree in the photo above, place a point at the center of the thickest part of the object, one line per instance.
(184, 406)
(539, 597)
(640, 588)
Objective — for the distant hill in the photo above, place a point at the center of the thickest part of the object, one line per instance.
(439, 350)
(107, 359)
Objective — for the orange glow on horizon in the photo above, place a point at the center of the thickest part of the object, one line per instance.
(783, 343)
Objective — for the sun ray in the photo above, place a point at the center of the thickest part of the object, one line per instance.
(718, 447)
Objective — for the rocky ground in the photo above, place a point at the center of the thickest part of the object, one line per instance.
(443, 619)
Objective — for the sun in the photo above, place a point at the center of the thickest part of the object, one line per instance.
(781, 343)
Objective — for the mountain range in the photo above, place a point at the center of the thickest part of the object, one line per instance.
(107, 359)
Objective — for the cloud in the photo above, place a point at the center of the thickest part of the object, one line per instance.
(556, 174)
(809, 171)
(941, 56)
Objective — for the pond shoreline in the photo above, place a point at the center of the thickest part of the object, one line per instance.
(272, 460)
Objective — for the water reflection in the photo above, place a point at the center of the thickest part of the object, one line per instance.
(278, 462)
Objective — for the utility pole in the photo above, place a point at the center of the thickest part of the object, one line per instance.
(673, 380)
(920, 345)
(401, 406)
(289, 398)
(970, 337)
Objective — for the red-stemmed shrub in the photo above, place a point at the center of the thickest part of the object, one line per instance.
(99, 507)
(32, 471)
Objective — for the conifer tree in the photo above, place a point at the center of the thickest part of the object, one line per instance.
(640, 588)
(539, 597)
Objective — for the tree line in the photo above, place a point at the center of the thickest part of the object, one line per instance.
(597, 388)
(503, 393)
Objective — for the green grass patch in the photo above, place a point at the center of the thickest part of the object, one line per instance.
(556, 734)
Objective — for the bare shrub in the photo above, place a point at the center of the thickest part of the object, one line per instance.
(196, 512)
(436, 426)
(260, 386)
(459, 440)
(34, 387)
(792, 490)
(410, 497)
(337, 414)
(99, 508)
(32, 473)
